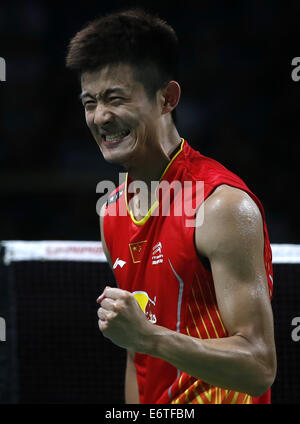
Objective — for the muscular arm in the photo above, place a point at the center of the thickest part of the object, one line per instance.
(231, 237)
(233, 241)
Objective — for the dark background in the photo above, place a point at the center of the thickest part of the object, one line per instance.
(239, 105)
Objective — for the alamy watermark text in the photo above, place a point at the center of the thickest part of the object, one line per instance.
(174, 198)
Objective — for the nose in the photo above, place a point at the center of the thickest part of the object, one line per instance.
(102, 116)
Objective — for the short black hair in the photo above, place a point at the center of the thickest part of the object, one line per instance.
(131, 36)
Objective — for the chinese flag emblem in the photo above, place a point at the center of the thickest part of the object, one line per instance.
(137, 251)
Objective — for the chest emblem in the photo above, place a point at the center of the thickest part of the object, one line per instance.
(137, 251)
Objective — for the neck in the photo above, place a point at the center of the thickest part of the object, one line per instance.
(152, 160)
(148, 168)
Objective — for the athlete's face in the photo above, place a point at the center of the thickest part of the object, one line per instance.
(120, 115)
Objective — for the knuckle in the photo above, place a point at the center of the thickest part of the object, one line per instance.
(118, 307)
(111, 315)
(104, 302)
(101, 325)
(126, 296)
(114, 307)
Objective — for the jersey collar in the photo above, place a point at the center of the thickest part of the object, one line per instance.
(167, 174)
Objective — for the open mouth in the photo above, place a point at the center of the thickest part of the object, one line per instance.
(115, 138)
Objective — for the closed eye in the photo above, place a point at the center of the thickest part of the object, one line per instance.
(90, 102)
(115, 99)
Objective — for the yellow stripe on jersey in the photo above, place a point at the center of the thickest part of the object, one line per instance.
(215, 306)
(207, 310)
(199, 335)
(202, 320)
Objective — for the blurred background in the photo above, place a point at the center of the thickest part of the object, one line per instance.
(239, 106)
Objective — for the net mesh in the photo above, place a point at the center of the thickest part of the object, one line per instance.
(285, 304)
(63, 357)
(60, 354)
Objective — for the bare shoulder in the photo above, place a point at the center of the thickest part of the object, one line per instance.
(227, 201)
(231, 218)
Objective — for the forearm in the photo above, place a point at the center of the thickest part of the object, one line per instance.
(229, 363)
(244, 362)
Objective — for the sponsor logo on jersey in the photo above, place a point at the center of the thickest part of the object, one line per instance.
(157, 256)
(119, 262)
(147, 305)
(114, 197)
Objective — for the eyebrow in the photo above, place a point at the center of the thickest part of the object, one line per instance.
(105, 94)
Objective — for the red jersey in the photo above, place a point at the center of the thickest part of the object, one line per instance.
(156, 260)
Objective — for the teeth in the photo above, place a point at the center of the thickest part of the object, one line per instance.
(113, 137)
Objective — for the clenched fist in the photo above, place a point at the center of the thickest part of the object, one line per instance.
(122, 321)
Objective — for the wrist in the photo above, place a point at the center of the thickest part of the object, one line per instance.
(151, 341)
(147, 342)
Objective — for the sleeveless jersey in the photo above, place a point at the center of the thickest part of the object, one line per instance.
(156, 260)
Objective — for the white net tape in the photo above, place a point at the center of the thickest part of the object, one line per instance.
(286, 253)
(81, 251)
(92, 251)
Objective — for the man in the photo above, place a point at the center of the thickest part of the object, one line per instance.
(192, 306)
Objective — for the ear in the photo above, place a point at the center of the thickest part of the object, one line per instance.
(170, 96)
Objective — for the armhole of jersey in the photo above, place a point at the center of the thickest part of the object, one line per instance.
(203, 259)
(104, 235)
